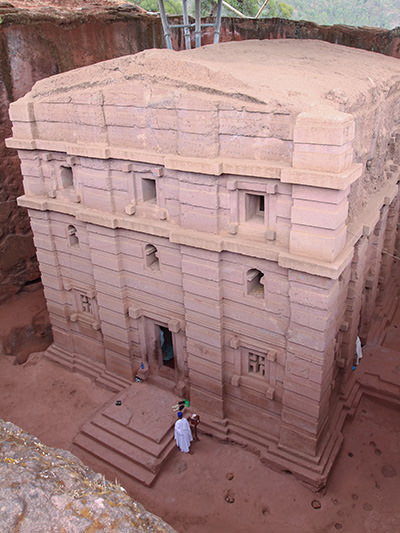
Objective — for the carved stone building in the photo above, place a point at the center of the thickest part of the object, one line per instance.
(224, 217)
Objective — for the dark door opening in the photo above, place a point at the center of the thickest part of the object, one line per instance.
(167, 347)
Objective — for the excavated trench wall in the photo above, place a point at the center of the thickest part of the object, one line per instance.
(38, 44)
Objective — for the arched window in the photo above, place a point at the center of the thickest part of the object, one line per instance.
(151, 257)
(255, 283)
(73, 239)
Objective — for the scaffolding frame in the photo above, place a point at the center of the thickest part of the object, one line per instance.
(187, 25)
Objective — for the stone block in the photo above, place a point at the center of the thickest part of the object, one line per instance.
(323, 245)
(134, 93)
(203, 334)
(190, 219)
(197, 145)
(118, 364)
(323, 158)
(319, 194)
(212, 371)
(126, 116)
(255, 148)
(87, 134)
(199, 196)
(115, 332)
(162, 119)
(23, 130)
(316, 340)
(243, 123)
(22, 110)
(200, 122)
(164, 141)
(324, 125)
(301, 404)
(132, 137)
(205, 402)
(309, 317)
(91, 115)
(322, 215)
(200, 269)
(97, 199)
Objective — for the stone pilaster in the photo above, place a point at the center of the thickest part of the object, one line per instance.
(204, 313)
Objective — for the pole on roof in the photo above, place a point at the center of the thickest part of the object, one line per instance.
(266, 2)
(197, 24)
(167, 33)
(217, 30)
(186, 30)
(228, 6)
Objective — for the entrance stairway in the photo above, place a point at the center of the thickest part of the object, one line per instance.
(134, 433)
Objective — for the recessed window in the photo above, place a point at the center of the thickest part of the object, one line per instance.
(255, 207)
(256, 364)
(255, 282)
(86, 304)
(67, 178)
(73, 239)
(149, 190)
(151, 257)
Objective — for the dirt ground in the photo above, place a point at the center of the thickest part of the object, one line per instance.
(191, 492)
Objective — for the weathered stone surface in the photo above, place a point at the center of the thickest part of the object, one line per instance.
(45, 489)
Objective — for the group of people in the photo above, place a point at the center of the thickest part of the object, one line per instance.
(183, 431)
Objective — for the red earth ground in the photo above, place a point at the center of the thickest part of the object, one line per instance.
(191, 492)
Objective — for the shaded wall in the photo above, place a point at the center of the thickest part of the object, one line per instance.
(38, 44)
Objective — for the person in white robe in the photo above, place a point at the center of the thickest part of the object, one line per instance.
(183, 434)
(359, 353)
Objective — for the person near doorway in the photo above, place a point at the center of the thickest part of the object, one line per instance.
(183, 435)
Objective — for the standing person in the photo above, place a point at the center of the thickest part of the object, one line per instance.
(183, 435)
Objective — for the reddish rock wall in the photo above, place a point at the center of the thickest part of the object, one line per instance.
(38, 44)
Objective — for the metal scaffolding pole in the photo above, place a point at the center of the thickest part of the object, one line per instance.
(187, 26)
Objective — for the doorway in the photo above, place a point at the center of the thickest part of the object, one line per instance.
(167, 355)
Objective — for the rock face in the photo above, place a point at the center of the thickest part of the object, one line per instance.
(44, 489)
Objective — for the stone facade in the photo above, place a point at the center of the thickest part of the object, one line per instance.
(210, 217)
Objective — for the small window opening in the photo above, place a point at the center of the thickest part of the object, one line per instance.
(167, 347)
(151, 257)
(255, 283)
(149, 190)
(256, 364)
(72, 236)
(67, 179)
(255, 207)
(86, 303)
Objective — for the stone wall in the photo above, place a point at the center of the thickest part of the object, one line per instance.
(38, 44)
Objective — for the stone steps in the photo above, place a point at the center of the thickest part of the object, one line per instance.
(113, 457)
(131, 433)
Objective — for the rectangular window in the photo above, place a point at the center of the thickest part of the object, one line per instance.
(149, 190)
(67, 179)
(255, 208)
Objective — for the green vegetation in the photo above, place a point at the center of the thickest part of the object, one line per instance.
(275, 8)
(376, 13)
